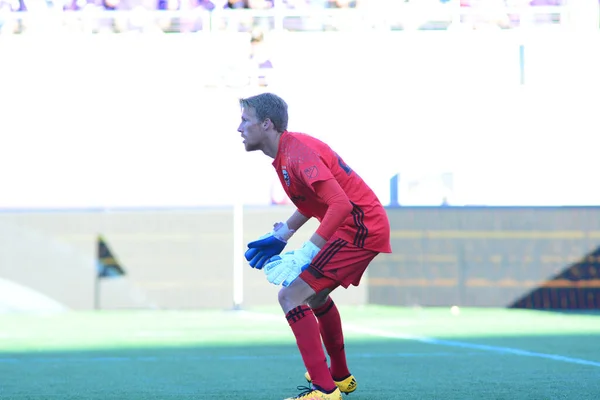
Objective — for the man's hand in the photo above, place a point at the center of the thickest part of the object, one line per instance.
(267, 246)
(280, 268)
(286, 268)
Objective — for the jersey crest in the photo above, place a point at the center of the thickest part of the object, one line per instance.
(311, 172)
(286, 177)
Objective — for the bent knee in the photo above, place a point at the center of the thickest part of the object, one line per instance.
(292, 296)
(283, 295)
(289, 298)
(318, 300)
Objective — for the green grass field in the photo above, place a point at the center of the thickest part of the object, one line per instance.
(395, 353)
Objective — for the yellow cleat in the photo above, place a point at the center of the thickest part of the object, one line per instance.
(311, 393)
(346, 386)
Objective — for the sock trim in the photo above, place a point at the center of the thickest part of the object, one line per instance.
(296, 314)
(320, 312)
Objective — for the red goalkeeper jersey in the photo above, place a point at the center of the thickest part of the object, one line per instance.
(303, 160)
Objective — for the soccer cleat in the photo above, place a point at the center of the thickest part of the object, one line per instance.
(346, 385)
(314, 393)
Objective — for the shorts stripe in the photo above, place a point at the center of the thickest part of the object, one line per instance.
(361, 234)
(327, 254)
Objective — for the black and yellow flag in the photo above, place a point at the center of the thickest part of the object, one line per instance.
(108, 266)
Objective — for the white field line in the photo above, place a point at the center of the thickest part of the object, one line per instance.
(442, 342)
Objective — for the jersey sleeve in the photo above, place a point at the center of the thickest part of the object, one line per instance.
(338, 207)
(310, 169)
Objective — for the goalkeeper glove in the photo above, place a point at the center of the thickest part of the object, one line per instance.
(286, 268)
(261, 250)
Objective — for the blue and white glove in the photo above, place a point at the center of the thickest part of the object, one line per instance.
(286, 268)
(268, 245)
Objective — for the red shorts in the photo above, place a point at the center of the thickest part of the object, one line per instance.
(338, 263)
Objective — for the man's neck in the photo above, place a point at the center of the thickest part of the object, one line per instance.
(272, 147)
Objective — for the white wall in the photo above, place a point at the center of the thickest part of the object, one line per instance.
(129, 120)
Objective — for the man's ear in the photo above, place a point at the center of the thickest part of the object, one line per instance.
(266, 123)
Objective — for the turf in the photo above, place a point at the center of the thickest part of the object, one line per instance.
(395, 353)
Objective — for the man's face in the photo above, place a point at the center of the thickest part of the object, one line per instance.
(251, 130)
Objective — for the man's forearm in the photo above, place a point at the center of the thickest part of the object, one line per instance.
(296, 221)
(318, 240)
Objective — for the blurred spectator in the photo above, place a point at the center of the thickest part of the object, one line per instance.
(298, 4)
(260, 4)
(167, 23)
(32, 5)
(192, 20)
(111, 4)
(6, 22)
(237, 4)
(71, 5)
(547, 18)
(260, 59)
(530, 16)
(205, 5)
(485, 14)
(340, 3)
(12, 5)
(546, 2)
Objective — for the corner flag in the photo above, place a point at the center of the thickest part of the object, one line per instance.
(107, 265)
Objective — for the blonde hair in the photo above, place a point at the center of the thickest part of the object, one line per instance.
(268, 106)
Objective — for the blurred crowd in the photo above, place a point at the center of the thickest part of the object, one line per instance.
(210, 5)
(197, 15)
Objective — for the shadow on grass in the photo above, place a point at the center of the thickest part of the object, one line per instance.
(595, 313)
(385, 369)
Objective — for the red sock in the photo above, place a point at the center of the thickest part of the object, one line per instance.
(330, 325)
(306, 329)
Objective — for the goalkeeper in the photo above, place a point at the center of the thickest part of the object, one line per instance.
(353, 229)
